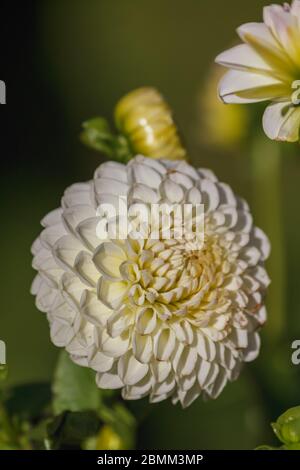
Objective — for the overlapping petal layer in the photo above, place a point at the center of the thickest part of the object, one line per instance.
(164, 317)
(267, 68)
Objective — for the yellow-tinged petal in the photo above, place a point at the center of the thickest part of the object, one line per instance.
(281, 121)
(146, 119)
(245, 87)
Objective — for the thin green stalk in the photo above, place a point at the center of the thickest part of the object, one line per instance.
(266, 161)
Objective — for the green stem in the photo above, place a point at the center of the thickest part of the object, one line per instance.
(267, 205)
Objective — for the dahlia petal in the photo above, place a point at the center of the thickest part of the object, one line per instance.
(143, 174)
(251, 255)
(252, 350)
(250, 285)
(261, 316)
(130, 369)
(194, 196)
(93, 309)
(179, 331)
(44, 262)
(61, 334)
(239, 337)
(36, 246)
(45, 297)
(110, 379)
(210, 195)
(72, 216)
(150, 162)
(243, 57)
(119, 321)
(166, 386)
(188, 332)
(100, 362)
(187, 398)
(63, 312)
(207, 174)
(164, 344)
(216, 388)
(261, 241)
(87, 232)
(171, 191)
(160, 370)
(159, 398)
(141, 192)
(146, 321)
(65, 251)
(206, 347)
(207, 372)
(187, 361)
(281, 121)
(181, 179)
(78, 359)
(50, 235)
(231, 216)
(248, 87)
(114, 347)
(82, 345)
(142, 347)
(203, 372)
(112, 170)
(77, 194)
(284, 27)
(295, 8)
(225, 356)
(259, 36)
(72, 289)
(183, 167)
(244, 222)
(186, 382)
(36, 285)
(111, 293)
(139, 390)
(108, 258)
(52, 218)
(110, 186)
(85, 269)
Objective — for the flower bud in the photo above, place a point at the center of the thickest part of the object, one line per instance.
(287, 426)
(146, 120)
(108, 439)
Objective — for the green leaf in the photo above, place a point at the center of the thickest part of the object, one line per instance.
(121, 149)
(97, 135)
(71, 428)
(98, 124)
(74, 387)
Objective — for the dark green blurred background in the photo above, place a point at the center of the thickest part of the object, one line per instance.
(67, 60)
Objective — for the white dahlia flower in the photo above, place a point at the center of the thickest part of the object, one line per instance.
(267, 68)
(158, 317)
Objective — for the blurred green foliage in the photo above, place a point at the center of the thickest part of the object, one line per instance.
(85, 56)
(72, 413)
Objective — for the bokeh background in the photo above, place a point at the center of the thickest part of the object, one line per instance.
(67, 60)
